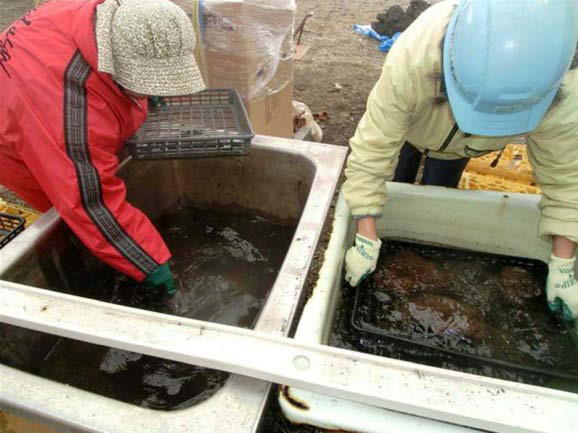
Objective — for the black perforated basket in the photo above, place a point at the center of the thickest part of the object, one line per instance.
(209, 123)
(367, 308)
(10, 226)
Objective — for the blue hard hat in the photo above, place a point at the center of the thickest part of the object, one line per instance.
(504, 61)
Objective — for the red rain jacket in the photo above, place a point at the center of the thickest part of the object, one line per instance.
(61, 124)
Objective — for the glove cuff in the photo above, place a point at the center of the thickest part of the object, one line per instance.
(368, 243)
(558, 262)
(160, 276)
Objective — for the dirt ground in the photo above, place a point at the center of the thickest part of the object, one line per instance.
(339, 56)
(12, 9)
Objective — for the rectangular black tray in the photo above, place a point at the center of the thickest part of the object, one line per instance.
(213, 122)
(10, 227)
(366, 306)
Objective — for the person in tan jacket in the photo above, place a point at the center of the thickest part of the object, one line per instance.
(465, 79)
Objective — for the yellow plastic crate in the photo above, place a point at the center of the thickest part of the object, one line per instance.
(514, 158)
(13, 209)
(513, 172)
(477, 181)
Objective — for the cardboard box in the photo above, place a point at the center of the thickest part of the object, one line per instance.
(272, 114)
(271, 109)
(248, 45)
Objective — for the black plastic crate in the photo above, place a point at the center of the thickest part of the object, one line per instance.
(213, 122)
(370, 315)
(10, 227)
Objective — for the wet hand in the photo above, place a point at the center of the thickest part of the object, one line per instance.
(162, 277)
(361, 259)
(562, 288)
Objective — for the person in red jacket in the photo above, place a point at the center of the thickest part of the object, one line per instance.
(74, 81)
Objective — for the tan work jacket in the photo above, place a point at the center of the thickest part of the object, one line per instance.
(400, 107)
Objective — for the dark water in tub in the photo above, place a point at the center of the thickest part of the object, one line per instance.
(225, 264)
(478, 313)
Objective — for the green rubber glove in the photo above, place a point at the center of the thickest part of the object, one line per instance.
(162, 277)
(562, 288)
(156, 101)
(361, 259)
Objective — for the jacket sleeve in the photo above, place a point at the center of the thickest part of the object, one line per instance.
(73, 160)
(82, 186)
(377, 142)
(553, 153)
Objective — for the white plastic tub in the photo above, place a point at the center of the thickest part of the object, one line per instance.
(481, 221)
(284, 178)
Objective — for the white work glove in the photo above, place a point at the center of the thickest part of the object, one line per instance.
(562, 288)
(361, 259)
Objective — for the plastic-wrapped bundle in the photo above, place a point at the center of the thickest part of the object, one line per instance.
(246, 44)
